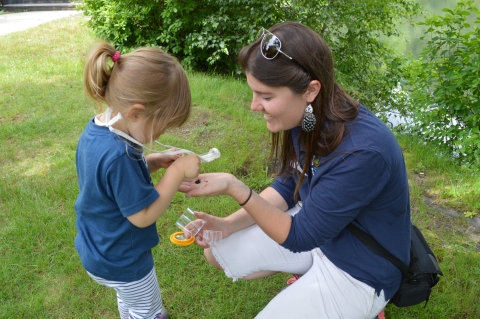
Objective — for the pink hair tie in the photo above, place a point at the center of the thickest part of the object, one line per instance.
(116, 56)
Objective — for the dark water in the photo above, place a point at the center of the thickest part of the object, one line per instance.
(411, 42)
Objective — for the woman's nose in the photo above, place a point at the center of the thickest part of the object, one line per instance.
(255, 105)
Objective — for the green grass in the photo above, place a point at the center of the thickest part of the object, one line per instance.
(42, 113)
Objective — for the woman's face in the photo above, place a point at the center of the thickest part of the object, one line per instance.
(281, 108)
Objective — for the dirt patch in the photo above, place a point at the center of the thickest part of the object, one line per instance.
(15, 118)
(197, 124)
(198, 118)
(446, 217)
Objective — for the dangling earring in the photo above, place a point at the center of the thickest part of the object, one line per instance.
(308, 120)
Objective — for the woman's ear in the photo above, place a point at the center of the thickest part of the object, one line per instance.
(312, 90)
(135, 111)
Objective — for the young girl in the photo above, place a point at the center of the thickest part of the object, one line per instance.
(146, 92)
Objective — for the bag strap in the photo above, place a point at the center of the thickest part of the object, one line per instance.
(378, 249)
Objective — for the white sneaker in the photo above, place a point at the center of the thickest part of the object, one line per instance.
(163, 314)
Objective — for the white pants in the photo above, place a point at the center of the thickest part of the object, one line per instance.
(137, 299)
(324, 291)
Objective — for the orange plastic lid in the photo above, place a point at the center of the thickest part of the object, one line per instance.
(180, 240)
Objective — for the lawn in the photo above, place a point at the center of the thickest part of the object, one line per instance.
(43, 111)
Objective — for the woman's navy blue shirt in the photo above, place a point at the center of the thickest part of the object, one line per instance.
(363, 181)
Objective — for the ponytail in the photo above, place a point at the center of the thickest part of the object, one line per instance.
(98, 71)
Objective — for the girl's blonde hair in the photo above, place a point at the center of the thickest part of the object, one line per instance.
(147, 76)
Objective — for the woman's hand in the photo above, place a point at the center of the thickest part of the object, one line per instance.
(212, 223)
(210, 184)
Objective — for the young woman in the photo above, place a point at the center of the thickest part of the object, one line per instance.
(339, 165)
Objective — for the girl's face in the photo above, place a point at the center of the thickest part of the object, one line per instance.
(281, 108)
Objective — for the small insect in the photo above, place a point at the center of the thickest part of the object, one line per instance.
(198, 181)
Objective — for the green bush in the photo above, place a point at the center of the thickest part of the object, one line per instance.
(445, 80)
(204, 35)
(207, 35)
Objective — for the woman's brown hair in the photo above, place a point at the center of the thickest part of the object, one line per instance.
(332, 107)
(146, 76)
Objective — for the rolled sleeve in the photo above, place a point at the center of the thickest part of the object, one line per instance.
(286, 188)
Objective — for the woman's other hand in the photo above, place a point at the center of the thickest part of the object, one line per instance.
(212, 223)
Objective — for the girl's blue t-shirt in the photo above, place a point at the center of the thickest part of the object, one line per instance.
(363, 181)
(114, 183)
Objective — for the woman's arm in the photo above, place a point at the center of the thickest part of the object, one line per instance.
(242, 219)
(267, 209)
(272, 220)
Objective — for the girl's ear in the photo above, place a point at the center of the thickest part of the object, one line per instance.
(312, 90)
(135, 111)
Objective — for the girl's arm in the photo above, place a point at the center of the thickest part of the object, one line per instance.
(183, 167)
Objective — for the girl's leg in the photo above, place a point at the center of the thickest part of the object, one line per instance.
(122, 308)
(138, 299)
(327, 292)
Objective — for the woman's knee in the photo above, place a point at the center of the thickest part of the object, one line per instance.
(211, 259)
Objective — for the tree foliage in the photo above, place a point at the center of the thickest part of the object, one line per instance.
(445, 80)
(206, 35)
(364, 65)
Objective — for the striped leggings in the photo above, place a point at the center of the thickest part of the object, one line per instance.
(137, 299)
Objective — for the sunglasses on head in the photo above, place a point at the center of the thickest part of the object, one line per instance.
(270, 47)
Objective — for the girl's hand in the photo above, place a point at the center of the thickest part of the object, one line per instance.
(212, 223)
(190, 165)
(159, 160)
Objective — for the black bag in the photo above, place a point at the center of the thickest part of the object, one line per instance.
(419, 277)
